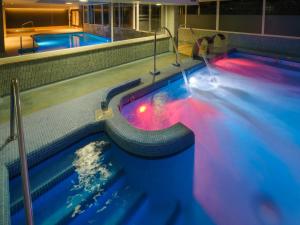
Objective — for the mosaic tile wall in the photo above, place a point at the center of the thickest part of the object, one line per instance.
(277, 45)
(44, 71)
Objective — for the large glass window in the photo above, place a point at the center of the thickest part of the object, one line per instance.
(106, 14)
(192, 9)
(202, 16)
(91, 14)
(86, 14)
(127, 15)
(117, 13)
(241, 15)
(144, 17)
(181, 12)
(282, 17)
(97, 14)
(123, 15)
(155, 17)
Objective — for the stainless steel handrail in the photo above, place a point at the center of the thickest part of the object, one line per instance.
(21, 37)
(177, 63)
(174, 46)
(16, 119)
(155, 71)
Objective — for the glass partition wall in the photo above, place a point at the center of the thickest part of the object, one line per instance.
(121, 21)
(202, 16)
(262, 17)
(241, 16)
(282, 17)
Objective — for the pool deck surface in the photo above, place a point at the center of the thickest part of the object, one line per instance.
(46, 96)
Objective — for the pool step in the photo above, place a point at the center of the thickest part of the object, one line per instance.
(164, 214)
(63, 201)
(116, 211)
(49, 173)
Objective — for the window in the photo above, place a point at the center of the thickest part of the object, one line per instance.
(123, 15)
(241, 15)
(85, 14)
(106, 14)
(192, 9)
(282, 17)
(181, 10)
(127, 15)
(144, 17)
(117, 12)
(155, 17)
(202, 16)
(181, 17)
(97, 14)
(207, 8)
(91, 14)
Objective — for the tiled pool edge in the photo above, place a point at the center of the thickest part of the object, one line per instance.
(149, 144)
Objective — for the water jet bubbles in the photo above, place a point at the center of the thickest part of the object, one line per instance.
(160, 99)
(89, 166)
(203, 83)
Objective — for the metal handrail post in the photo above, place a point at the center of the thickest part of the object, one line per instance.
(12, 113)
(21, 37)
(155, 72)
(22, 151)
(177, 64)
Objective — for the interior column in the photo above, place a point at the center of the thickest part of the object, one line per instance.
(2, 29)
(133, 16)
(111, 21)
(137, 16)
(172, 22)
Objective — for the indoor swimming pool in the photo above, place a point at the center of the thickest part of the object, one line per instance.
(48, 42)
(245, 115)
(246, 120)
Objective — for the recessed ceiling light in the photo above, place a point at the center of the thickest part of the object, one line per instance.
(69, 3)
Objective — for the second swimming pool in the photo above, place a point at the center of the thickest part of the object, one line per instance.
(48, 42)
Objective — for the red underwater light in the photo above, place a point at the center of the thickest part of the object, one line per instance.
(142, 109)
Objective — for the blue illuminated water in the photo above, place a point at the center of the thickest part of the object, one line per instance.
(47, 42)
(245, 168)
(247, 158)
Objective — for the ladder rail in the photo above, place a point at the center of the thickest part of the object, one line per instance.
(21, 35)
(17, 122)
